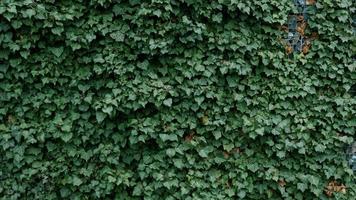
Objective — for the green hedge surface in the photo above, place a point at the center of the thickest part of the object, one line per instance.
(174, 99)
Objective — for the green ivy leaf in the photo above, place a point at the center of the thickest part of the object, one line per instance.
(100, 116)
(205, 151)
(76, 181)
(168, 102)
(168, 137)
(57, 51)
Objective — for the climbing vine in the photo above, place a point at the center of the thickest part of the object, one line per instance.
(176, 99)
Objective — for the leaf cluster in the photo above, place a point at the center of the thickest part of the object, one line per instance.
(173, 99)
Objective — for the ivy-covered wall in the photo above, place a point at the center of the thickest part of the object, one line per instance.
(174, 99)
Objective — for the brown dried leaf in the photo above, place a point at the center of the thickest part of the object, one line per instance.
(190, 136)
(333, 186)
(282, 182)
(311, 2)
(289, 49)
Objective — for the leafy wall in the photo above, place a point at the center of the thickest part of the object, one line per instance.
(114, 99)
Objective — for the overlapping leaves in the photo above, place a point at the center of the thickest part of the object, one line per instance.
(173, 99)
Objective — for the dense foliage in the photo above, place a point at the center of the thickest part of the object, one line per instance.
(174, 99)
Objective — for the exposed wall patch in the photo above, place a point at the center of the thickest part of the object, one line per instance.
(296, 40)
